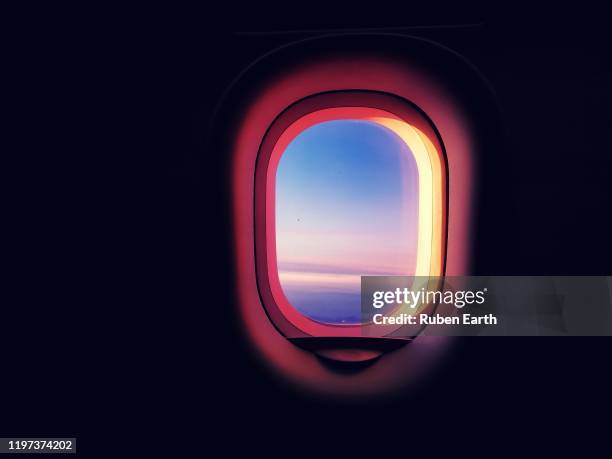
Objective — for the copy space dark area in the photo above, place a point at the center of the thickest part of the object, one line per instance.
(122, 320)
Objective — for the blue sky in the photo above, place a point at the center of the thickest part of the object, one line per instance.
(346, 205)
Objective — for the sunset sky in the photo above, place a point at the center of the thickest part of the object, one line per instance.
(346, 206)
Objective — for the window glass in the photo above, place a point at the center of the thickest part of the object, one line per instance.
(346, 205)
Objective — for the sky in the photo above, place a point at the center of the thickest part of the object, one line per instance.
(346, 206)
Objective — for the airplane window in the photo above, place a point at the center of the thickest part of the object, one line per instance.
(344, 191)
(347, 199)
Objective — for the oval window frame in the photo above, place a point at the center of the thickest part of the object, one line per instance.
(337, 105)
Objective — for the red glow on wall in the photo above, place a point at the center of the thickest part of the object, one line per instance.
(371, 74)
